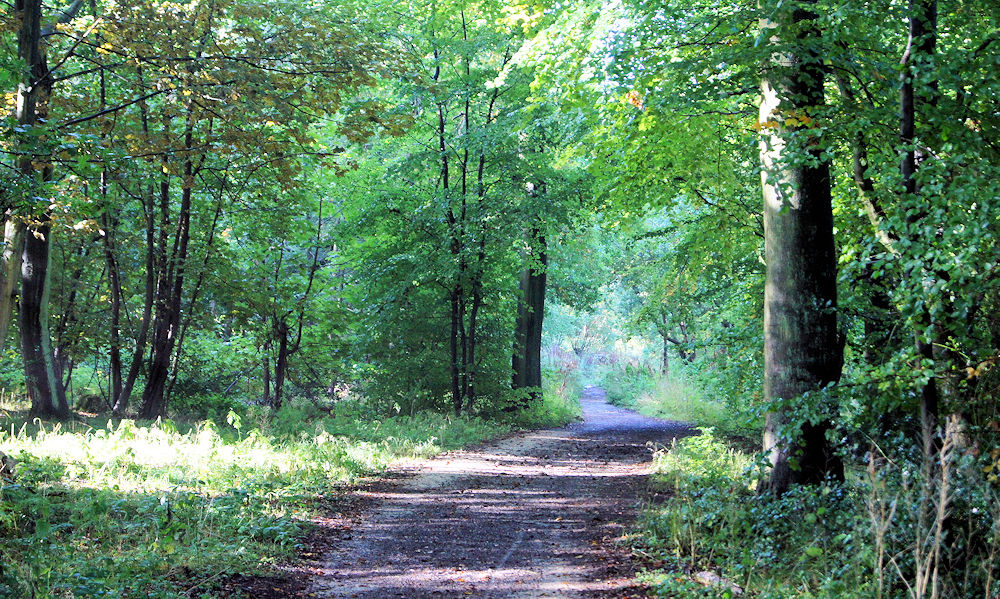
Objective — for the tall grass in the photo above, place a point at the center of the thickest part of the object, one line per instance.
(675, 398)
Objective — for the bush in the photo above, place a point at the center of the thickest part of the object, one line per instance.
(879, 534)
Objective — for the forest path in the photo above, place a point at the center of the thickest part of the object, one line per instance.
(534, 515)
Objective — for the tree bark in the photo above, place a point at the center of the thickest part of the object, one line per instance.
(121, 404)
(266, 363)
(42, 379)
(920, 48)
(114, 283)
(168, 310)
(665, 366)
(528, 327)
(280, 363)
(10, 274)
(802, 352)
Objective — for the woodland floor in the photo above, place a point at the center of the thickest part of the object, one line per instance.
(534, 515)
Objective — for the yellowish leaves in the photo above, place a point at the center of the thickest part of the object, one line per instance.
(798, 121)
(787, 119)
(993, 468)
(980, 369)
(635, 99)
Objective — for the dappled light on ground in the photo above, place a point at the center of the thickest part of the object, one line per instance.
(535, 515)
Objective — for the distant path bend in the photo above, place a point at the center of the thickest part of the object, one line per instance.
(530, 516)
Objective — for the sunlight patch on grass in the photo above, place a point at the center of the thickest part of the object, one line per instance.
(128, 509)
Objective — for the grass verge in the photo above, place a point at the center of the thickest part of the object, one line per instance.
(676, 398)
(885, 532)
(127, 509)
(716, 537)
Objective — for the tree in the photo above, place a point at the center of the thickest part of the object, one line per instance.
(527, 362)
(42, 377)
(802, 349)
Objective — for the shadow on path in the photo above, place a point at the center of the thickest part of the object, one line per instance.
(534, 515)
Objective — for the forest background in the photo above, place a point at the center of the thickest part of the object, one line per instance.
(296, 241)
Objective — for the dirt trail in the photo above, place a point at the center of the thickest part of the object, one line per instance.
(531, 516)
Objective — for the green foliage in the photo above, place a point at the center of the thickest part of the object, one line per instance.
(559, 404)
(679, 397)
(625, 386)
(809, 543)
(852, 540)
(134, 510)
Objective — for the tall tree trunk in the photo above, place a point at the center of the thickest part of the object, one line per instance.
(528, 327)
(453, 350)
(266, 363)
(665, 366)
(149, 210)
(154, 399)
(42, 379)
(114, 283)
(193, 299)
(802, 352)
(121, 404)
(920, 48)
(41, 376)
(477, 304)
(280, 363)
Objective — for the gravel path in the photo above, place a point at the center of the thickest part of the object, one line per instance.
(530, 516)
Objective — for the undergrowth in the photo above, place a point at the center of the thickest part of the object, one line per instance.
(559, 405)
(675, 398)
(865, 538)
(127, 509)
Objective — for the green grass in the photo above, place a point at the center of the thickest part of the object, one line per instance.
(126, 509)
(560, 403)
(675, 398)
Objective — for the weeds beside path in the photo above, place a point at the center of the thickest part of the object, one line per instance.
(171, 510)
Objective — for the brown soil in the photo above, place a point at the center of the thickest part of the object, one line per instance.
(535, 515)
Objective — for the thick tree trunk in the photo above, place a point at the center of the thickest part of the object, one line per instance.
(802, 352)
(527, 361)
(42, 379)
